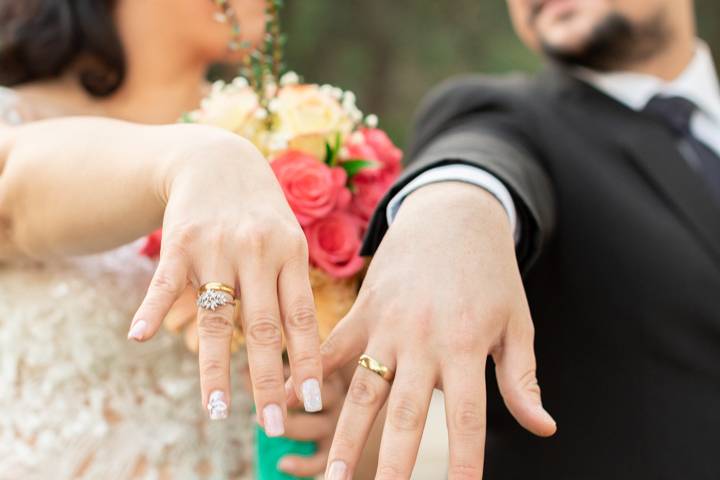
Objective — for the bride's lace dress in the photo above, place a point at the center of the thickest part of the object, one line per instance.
(78, 400)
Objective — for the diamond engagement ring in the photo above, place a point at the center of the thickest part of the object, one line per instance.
(214, 295)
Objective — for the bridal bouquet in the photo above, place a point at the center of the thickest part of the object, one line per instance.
(332, 163)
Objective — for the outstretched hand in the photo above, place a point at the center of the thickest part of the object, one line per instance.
(442, 293)
(227, 221)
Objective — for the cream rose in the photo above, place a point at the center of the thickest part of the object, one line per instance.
(307, 116)
(232, 107)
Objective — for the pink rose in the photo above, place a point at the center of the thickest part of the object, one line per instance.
(312, 188)
(369, 189)
(373, 144)
(334, 244)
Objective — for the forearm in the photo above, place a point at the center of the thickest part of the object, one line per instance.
(80, 185)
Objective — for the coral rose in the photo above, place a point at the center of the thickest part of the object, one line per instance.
(334, 244)
(374, 145)
(312, 188)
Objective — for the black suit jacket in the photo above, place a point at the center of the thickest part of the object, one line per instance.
(621, 260)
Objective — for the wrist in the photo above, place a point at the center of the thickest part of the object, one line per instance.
(199, 153)
(451, 196)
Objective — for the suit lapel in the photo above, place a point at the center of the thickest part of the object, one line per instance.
(657, 154)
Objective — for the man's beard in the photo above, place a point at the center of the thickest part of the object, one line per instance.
(615, 44)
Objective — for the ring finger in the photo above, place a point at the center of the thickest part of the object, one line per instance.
(215, 329)
(366, 396)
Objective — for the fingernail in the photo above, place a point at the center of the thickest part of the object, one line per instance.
(217, 408)
(285, 464)
(547, 416)
(312, 398)
(273, 420)
(337, 471)
(138, 330)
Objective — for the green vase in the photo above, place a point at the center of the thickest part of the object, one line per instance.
(269, 451)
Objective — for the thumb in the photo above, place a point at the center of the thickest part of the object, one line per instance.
(515, 370)
(345, 343)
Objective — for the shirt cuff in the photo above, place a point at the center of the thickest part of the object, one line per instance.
(459, 173)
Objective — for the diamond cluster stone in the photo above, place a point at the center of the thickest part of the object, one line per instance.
(213, 299)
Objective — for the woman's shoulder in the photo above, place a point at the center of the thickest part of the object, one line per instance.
(14, 109)
(41, 100)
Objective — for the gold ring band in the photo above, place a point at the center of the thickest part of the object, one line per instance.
(217, 286)
(376, 367)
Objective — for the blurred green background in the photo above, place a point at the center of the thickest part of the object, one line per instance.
(390, 52)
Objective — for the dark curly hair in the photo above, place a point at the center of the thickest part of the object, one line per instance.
(39, 39)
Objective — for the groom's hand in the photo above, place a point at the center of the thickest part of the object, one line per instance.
(442, 294)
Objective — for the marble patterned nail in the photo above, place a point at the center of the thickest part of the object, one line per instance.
(217, 407)
(312, 398)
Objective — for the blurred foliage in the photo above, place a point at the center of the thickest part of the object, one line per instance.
(391, 52)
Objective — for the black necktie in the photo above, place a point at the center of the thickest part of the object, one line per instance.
(676, 113)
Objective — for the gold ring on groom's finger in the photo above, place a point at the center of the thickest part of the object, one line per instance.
(374, 366)
(214, 295)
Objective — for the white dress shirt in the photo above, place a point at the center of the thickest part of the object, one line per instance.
(698, 83)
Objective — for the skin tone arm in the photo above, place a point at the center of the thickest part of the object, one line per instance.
(457, 236)
(80, 185)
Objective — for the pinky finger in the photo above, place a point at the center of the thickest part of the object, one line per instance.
(304, 466)
(167, 284)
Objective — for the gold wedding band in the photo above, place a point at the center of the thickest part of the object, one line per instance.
(217, 286)
(376, 367)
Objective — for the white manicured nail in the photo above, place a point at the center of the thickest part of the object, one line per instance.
(217, 408)
(138, 330)
(273, 420)
(337, 471)
(312, 398)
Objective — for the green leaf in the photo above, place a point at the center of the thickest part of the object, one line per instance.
(332, 151)
(329, 154)
(352, 167)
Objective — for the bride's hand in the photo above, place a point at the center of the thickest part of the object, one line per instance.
(227, 221)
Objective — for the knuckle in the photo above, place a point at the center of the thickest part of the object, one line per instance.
(462, 471)
(405, 415)
(263, 330)
(212, 369)
(182, 237)
(390, 472)
(468, 418)
(256, 238)
(215, 325)
(268, 381)
(528, 382)
(466, 338)
(163, 282)
(344, 443)
(306, 360)
(302, 318)
(363, 393)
